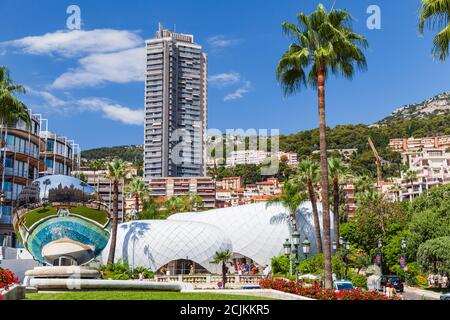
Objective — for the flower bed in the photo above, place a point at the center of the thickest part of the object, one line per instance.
(316, 292)
(7, 280)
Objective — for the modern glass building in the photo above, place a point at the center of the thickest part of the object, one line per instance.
(59, 155)
(26, 154)
(175, 106)
(21, 164)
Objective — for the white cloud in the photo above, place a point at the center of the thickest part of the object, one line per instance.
(48, 98)
(76, 42)
(44, 101)
(114, 111)
(119, 67)
(239, 93)
(220, 41)
(224, 79)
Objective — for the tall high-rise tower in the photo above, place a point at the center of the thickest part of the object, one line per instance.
(175, 106)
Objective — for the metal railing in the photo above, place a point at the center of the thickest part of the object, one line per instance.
(252, 279)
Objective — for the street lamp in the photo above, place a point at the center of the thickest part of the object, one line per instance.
(296, 238)
(380, 245)
(341, 241)
(306, 246)
(296, 243)
(347, 246)
(404, 257)
(287, 252)
(334, 246)
(287, 248)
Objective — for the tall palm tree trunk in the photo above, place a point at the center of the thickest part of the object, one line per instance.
(312, 197)
(336, 199)
(324, 179)
(224, 274)
(136, 203)
(112, 249)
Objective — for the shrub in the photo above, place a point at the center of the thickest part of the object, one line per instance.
(313, 265)
(434, 255)
(280, 264)
(316, 292)
(359, 280)
(7, 279)
(120, 277)
(421, 281)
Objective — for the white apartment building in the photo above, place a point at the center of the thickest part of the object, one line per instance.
(432, 167)
(256, 157)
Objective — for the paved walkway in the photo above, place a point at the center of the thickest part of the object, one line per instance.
(420, 294)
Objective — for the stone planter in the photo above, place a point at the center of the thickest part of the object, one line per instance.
(15, 292)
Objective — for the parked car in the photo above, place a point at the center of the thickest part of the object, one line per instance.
(392, 281)
(445, 296)
(343, 285)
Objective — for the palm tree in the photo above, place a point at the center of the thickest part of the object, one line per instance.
(46, 183)
(83, 185)
(151, 209)
(137, 190)
(363, 184)
(436, 14)
(337, 171)
(11, 109)
(395, 189)
(410, 177)
(116, 172)
(173, 205)
(291, 198)
(308, 173)
(325, 43)
(222, 257)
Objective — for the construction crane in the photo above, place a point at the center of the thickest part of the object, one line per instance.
(379, 161)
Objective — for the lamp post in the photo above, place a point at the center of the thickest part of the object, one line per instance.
(335, 246)
(380, 245)
(287, 252)
(296, 243)
(404, 257)
(306, 246)
(347, 250)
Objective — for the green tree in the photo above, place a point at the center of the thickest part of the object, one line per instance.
(222, 257)
(11, 108)
(337, 171)
(325, 43)
(116, 173)
(434, 256)
(151, 209)
(280, 264)
(291, 197)
(308, 174)
(430, 217)
(137, 189)
(436, 14)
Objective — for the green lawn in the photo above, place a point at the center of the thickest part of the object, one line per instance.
(136, 295)
(35, 215)
(99, 216)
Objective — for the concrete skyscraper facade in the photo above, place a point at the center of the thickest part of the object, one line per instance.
(175, 106)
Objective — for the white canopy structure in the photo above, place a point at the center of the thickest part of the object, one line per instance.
(255, 231)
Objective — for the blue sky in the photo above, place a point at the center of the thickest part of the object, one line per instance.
(89, 84)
